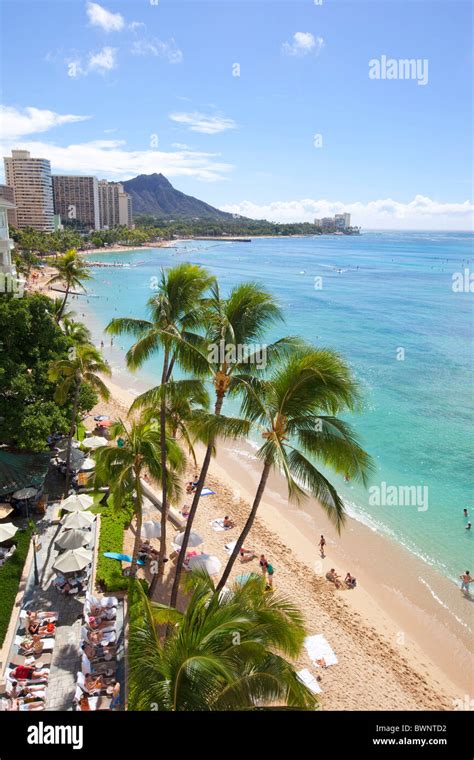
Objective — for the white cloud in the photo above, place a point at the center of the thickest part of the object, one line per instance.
(104, 60)
(99, 16)
(16, 123)
(303, 43)
(158, 48)
(422, 213)
(136, 25)
(111, 159)
(199, 122)
(180, 146)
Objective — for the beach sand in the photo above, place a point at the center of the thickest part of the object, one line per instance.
(398, 647)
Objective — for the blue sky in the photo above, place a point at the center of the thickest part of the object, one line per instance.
(120, 88)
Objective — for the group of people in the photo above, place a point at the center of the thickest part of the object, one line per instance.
(99, 649)
(192, 485)
(348, 582)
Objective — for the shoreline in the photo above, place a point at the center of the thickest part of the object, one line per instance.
(395, 610)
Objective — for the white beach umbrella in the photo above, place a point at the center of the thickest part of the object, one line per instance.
(88, 464)
(25, 493)
(151, 529)
(73, 560)
(7, 531)
(73, 539)
(194, 539)
(77, 520)
(207, 562)
(94, 442)
(77, 502)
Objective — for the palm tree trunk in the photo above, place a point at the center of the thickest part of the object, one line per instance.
(194, 506)
(63, 306)
(247, 526)
(71, 433)
(138, 512)
(164, 489)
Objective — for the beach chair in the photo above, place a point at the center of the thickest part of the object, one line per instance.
(102, 667)
(48, 643)
(101, 601)
(20, 659)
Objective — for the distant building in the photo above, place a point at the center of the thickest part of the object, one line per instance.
(7, 269)
(8, 194)
(342, 221)
(327, 222)
(317, 222)
(30, 179)
(76, 200)
(115, 205)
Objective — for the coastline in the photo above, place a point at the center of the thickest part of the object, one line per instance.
(398, 647)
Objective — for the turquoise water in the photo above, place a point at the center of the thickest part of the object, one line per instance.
(381, 292)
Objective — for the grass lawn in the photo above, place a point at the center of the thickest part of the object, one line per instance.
(10, 574)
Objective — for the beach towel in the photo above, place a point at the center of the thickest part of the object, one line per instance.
(309, 680)
(218, 525)
(207, 492)
(318, 648)
(230, 547)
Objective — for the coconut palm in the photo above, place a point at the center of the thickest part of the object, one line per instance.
(82, 366)
(175, 311)
(58, 313)
(77, 331)
(235, 323)
(295, 410)
(73, 272)
(122, 467)
(225, 652)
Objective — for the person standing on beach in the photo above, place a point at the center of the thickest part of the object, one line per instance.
(322, 544)
(465, 581)
(270, 571)
(263, 565)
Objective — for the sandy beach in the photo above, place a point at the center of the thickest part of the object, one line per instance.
(398, 646)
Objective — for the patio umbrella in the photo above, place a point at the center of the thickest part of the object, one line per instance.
(121, 557)
(76, 459)
(151, 529)
(88, 464)
(105, 423)
(73, 539)
(207, 562)
(73, 560)
(25, 493)
(5, 510)
(94, 442)
(78, 520)
(194, 539)
(77, 502)
(7, 531)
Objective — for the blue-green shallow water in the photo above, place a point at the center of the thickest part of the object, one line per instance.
(381, 292)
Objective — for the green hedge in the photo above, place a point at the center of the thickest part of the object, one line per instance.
(112, 526)
(10, 574)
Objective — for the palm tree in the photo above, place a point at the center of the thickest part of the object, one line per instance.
(183, 399)
(72, 270)
(225, 652)
(295, 410)
(175, 311)
(235, 324)
(58, 313)
(122, 467)
(81, 367)
(77, 331)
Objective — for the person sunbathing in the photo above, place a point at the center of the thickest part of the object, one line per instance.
(332, 576)
(96, 623)
(189, 487)
(227, 522)
(246, 555)
(97, 682)
(185, 512)
(96, 637)
(103, 613)
(350, 581)
(28, 673)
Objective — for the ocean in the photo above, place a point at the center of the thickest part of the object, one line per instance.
(397, 306)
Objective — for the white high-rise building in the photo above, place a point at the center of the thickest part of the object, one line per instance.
(6, 244)
(30, 178)
(115, 205)
(342, 221)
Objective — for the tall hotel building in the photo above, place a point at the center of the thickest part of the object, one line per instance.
(30, 179)
(76, 200)
(115, 205)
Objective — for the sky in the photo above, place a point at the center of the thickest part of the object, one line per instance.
(279, 109)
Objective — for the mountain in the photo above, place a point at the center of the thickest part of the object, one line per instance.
(154, 194)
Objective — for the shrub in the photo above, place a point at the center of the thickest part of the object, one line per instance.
(113, 523)
(10, 574)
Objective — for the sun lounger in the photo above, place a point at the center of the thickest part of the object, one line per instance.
(106, 638)
(81, 683)
(101, 601)
(309, 680)
(102, 667)
(98, 703)
(318, 648)
(39, 659)
(48, 644)
(46, 615)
